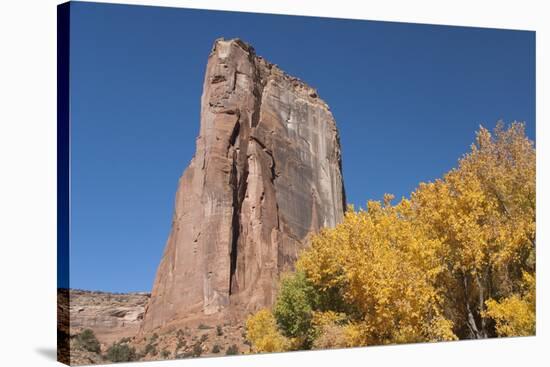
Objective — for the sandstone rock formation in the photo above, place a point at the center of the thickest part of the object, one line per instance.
(266, 174)
(111, 316)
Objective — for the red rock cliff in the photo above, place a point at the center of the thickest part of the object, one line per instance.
(266, 174)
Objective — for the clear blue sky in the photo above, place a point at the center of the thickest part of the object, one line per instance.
(407, 99)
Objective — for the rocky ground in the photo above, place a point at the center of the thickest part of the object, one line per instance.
(115, 318)
(187, 342)
(80, 356)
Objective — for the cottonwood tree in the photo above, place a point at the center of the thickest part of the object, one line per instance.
(484, 214)
(387, 268)
(457, 260)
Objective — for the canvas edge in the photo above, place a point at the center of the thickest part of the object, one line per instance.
(63, 181)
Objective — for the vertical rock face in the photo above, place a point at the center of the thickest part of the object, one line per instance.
(266, 174)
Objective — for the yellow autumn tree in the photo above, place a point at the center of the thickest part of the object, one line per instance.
(456, 260)
(483, 213)
(329, 330)
(386, 268)
(515, 314)
(264, 335)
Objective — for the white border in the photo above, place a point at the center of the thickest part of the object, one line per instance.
(28, 180)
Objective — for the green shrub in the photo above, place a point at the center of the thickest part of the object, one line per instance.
(204, 337)
(125, 340)
(121, 353)
(88, 341)
(197, 350)
(219, 330)
(181, 343)
(164, 354)
(150, 349)
(232, 350)
(293, 308)
(204, 327)
(216, 348)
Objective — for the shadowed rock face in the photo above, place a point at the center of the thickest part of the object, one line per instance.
(266, 174)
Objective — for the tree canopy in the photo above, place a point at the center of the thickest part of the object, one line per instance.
(454, 261)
